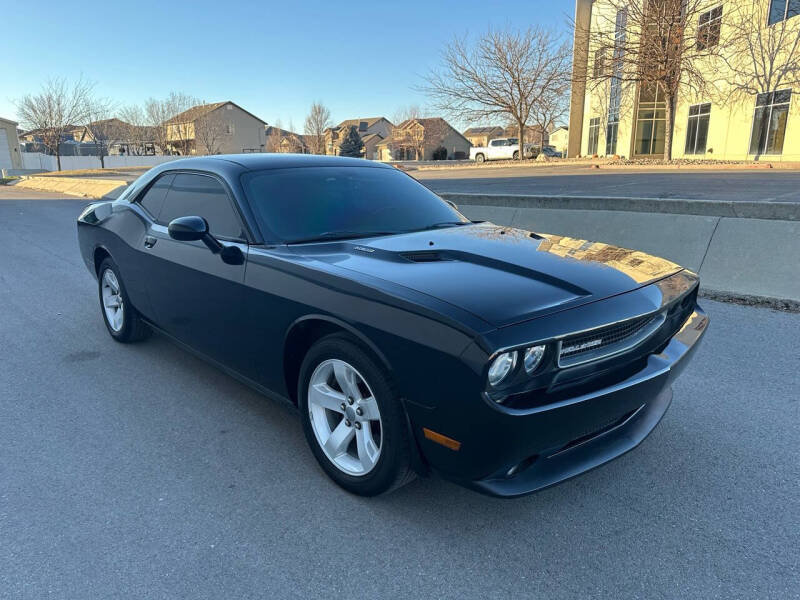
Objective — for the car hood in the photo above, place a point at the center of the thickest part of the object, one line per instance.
(500, 274)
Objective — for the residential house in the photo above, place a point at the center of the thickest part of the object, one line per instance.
(728, 124)
(285, 141)
(40, 140)
(559, 138)
(380, 126)
(218, 128)
(371, 141)
(424, 139)
(10, 158)
(121, 138)
(37, 136)
(481, 136)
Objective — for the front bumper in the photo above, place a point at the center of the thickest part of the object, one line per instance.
(549, 444)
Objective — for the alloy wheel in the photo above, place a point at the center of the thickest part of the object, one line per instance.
(112, 300)
(345, 417)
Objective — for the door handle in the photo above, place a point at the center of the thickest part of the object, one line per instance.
(149, 241)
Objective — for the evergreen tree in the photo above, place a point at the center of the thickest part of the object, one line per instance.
(351, 145)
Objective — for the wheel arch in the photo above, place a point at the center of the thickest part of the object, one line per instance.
(305, 332)
(99, 255)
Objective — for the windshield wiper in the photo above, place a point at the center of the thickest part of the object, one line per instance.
(329, 236)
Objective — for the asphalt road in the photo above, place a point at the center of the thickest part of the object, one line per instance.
(139, 471)
(767, 185)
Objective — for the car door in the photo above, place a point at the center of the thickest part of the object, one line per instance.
(496, 148)
(195, 295)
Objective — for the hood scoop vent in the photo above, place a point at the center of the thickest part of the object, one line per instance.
(424, 256)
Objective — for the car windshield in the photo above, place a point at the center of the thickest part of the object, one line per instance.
(316, 203)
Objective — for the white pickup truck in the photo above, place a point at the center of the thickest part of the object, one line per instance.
(500, 149)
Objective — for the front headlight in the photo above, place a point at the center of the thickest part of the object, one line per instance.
(532, 358)
(501, 367)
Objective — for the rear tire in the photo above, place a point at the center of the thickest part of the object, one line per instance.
(479, 158)
(515, 156)
(122, 320)
(364, 447)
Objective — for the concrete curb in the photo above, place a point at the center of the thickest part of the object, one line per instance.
(747, 300)
(74, 186)
(783, 211)
(738, 258)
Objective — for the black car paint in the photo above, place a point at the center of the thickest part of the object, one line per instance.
(434, 324)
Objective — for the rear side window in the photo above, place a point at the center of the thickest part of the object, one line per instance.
(203, 196)
(153, 199)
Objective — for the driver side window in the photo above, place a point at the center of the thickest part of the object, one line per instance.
(153, 199)
(204, 196)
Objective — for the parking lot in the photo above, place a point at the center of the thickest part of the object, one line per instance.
(140, 471)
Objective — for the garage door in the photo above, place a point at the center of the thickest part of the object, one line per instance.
(5, 153)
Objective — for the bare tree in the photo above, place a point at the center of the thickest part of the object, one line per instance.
(137, 133)
(181, 129)
(759, 59)
(170, 135)
(157, 113)
(274, 138)
(552, 109)
(405, 113)
(209, 132)
(506, 73)
(317, 121)
(655, 44)
(103, 128)
(57, 108)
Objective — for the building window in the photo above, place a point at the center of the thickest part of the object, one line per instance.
(599, 62)
(697, 129)
(769, 122)
(780, 10)
(650, 121)
(611, 138)
(615, 93)
(708, 28)
(229, 128)
(594, 132)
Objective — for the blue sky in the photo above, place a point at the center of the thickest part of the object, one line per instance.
(361, 59)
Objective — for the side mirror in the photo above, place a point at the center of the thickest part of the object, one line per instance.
(190, 229)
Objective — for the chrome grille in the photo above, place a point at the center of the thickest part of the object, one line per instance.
(607, 341)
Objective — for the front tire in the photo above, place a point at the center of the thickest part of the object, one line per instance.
(515, 156)
(122, 320)
(353, 420)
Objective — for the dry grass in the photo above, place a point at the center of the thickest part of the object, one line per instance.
(90, 172)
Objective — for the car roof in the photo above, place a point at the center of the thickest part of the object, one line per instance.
(261, 161)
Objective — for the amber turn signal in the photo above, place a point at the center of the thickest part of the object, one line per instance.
(441, 439)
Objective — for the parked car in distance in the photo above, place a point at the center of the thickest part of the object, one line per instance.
(500, 149)
(411, 339)
(551, 152)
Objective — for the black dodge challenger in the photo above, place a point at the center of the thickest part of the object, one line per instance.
(410, 338)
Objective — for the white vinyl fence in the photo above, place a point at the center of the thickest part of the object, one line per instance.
(45, 162)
